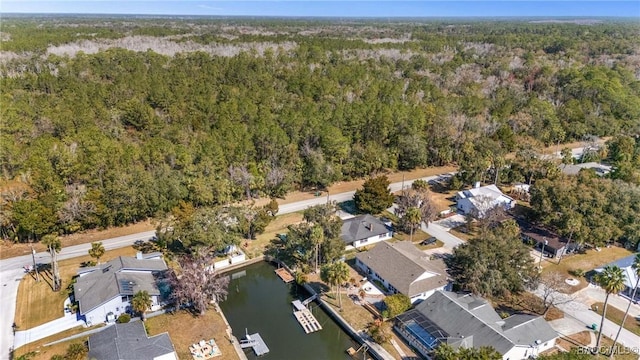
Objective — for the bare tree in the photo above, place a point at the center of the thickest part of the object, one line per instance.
(550, 285)
(241, 177)
(198, 284)
(75, 208)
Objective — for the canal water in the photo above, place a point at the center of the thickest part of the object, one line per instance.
(260, 302)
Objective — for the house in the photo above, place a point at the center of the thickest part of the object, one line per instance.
(103, 292)
(402, 268)
(600, 169)
(464, 320)
(364, 230)
(630, 277)
(130, 342)
(545, 240)
(480, 199)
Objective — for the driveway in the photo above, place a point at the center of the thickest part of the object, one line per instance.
(69, 321)
(452, 222)
(442, 233)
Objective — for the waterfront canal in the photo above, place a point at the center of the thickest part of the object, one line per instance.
(260, 302)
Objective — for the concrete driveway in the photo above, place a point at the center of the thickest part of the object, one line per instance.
(452, 222)
(69, 321)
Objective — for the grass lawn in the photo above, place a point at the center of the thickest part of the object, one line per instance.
(277, 226)
(418, 236)
(585, 262)
(355, 315)
(185, 329)
(457, 232)
(42, 352)
(614, 314)
(37, 304)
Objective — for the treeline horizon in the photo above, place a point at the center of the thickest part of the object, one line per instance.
(97, 138)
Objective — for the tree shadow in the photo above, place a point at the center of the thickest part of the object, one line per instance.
(348, 207)
(318, 286)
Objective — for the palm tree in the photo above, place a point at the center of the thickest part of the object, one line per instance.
(96, 251)
(53, 244)
(141, 302)
(611, 279)
(317, 238)
(335, 274)
(636, 270)
(413, 218)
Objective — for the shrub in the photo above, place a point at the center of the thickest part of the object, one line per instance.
(577, 272)
(123, 318)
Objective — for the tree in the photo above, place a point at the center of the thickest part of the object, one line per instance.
(335, 274)
(53, 244)
(496, 263)
(374, 197)
(380, 331)
(611, 279)
(550, 290)
(96, 251)
(197, 284)
(446, 352)
(413, 219)
(636, 269)
(141, 302)
(396, 304)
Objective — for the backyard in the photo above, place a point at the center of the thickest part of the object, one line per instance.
(37, 304)
(185, 329)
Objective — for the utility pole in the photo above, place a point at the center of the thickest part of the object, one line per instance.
(35, 266)
(402, 184)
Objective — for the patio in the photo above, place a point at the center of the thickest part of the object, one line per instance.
(205, 350)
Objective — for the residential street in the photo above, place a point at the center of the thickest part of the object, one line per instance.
(579, 310)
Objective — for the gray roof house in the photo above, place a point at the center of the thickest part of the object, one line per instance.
(403, 268)
(464, 320)
(130, 342)
(363, 230)
(103, 292)
(574, 169)
(630, 277)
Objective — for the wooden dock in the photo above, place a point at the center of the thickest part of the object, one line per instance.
(255, 341)
(308, 322)
(285, 275)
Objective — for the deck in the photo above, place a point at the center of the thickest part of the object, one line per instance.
(285, 275)
(255, 341)
(308, 322)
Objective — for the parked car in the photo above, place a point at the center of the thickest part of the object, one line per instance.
(429, 241)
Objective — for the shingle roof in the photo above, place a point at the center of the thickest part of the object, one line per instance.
(128, 342)
(464, 316)
(120, 276)
(362, 227)
(401, 264)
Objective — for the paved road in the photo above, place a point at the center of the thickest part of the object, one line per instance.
(11, 273)
(576, 307)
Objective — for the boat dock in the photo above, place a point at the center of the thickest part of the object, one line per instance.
(308, 322)
(285, 275)
(254, 341)
(306, 319)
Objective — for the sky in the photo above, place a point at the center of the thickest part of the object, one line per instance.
(336, 8)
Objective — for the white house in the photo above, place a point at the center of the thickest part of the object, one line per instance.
(630, 277)
(104, 292)
(402, 268)
(478, 200)
(364, 230)
(464, 320)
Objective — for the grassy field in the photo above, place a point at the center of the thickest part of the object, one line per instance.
(525, 302)
(614, 314)
(37, 303)
(185, 329)
(277, 226)
(585, 262)
(418, 236)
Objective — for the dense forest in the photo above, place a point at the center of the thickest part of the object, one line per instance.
(112, 121)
